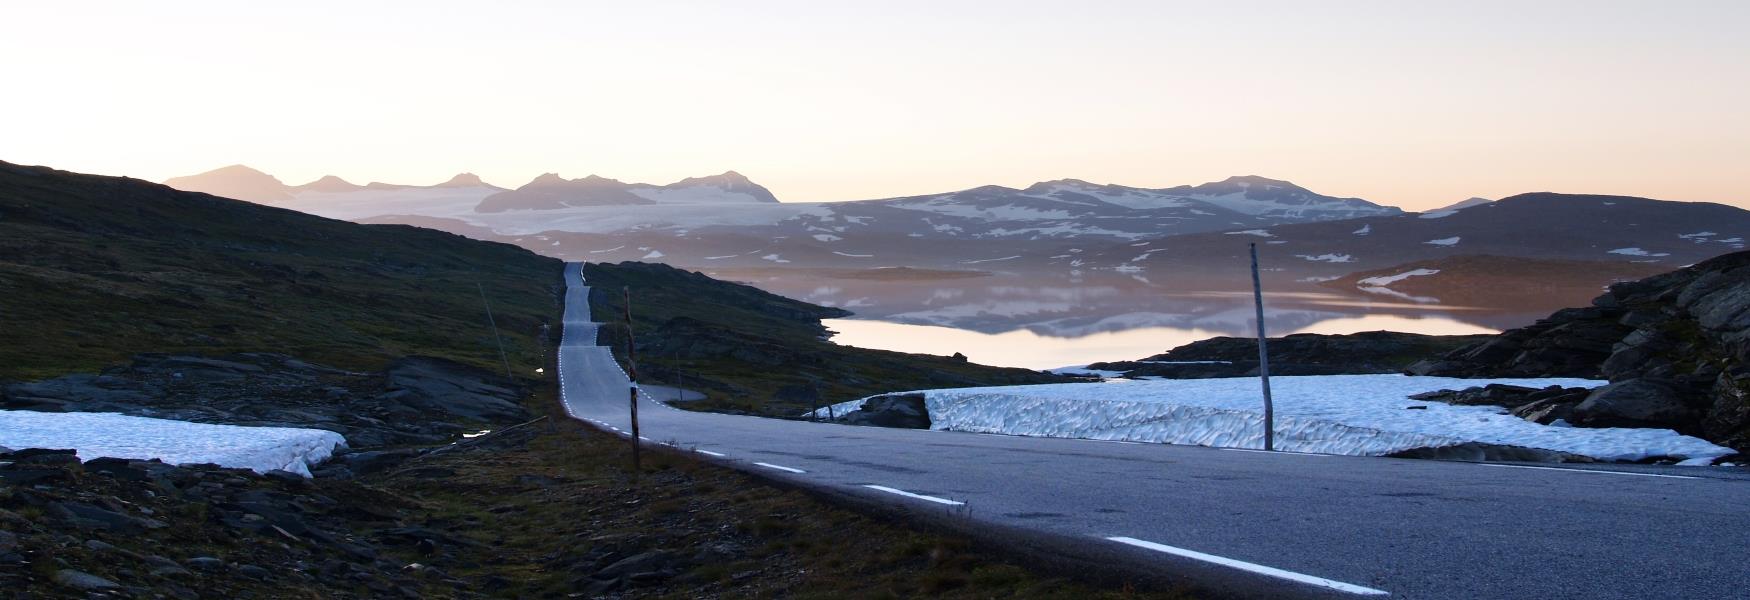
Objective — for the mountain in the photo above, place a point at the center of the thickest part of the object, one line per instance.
(1265, 197)
(328, 184)
(1540, 225)
(235, 181)
(96, 269)
(552, 192)
(466, 180)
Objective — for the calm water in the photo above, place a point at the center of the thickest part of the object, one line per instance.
(1029, 349)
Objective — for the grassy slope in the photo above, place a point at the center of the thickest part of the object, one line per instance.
(741, 346)
(782, 542)
(94, 269)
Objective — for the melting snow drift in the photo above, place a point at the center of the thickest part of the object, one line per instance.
(97, 435)
(1365, 415)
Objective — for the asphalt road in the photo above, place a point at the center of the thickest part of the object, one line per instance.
(1241, 522)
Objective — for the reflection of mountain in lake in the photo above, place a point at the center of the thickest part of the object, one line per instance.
(1108, 302)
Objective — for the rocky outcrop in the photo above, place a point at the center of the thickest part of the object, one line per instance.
(906, 411)
(416, 400)
(1674, 347)
(1299, 354)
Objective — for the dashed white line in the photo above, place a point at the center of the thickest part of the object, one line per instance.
(917, 496)
(710, 453)
(780, 467)
(1599, 472)
(1253, 567)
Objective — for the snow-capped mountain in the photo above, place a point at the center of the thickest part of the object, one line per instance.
(1538, 225)
(1265, 197)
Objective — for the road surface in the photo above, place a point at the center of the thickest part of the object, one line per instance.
(1240, 522)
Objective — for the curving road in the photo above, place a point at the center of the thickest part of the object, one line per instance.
(1240, 522)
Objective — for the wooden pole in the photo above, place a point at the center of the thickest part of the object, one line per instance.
(1263, 356)
(632, 390)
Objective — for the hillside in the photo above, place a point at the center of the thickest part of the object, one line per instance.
(1672, 345)
(1620, 229)
(94, 269)
(753, 351)
(1485, 280)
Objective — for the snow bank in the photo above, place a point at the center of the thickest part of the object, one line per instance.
(1364, 415)
(97, 435)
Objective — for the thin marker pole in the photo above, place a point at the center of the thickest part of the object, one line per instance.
(632, 373)
(1263, 356)
(494, 324)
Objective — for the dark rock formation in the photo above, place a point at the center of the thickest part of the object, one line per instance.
(907, 411)
(1300, 354)
(1674, 347)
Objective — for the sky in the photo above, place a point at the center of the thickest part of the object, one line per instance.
(1414, 104)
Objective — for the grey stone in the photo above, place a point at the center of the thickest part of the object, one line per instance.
(908, 411)
(1635, 403)
(81, 580)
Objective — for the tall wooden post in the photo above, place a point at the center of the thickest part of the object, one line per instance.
(632, 390)
(1263, 356)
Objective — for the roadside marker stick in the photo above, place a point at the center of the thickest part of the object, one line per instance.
(632, 375)
(1263, 356)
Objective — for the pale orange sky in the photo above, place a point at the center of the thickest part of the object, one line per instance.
(1416, 104)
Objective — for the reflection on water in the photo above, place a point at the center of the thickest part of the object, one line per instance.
(1046, 322)
(1028, 349)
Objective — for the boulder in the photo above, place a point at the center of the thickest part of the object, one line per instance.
(81, 580)
(906, 411)
(434, 384)
(1641, 402)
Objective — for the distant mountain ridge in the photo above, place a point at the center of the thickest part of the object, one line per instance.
(552, 192)
(241, 182)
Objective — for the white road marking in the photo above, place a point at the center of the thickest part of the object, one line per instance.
(1591, 471)
(710, 453)
(780, 468)
(917, 496)
(1252, 567)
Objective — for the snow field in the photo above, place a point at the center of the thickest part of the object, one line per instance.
(1362, 415)
(97, 435)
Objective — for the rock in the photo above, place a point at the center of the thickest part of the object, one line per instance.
(452, 388)
(1545, 412)
(1636, 403)
(8, 542)
(361, 463)
(253, 572)
(908, 411)
(205, 563)
(81, 580)
(654, 560)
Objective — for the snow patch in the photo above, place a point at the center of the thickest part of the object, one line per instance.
(1637, 252)
(1337, 414)
(1330, 258)
(1256, 232)
(96, 435)
(1383, 281)
(1451, 241)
